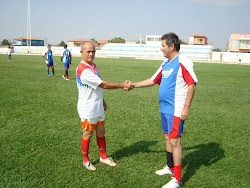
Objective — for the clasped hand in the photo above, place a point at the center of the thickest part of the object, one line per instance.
(128, 85)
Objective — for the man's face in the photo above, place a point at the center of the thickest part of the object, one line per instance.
(49, 48)
(88, 53)
(167, 50)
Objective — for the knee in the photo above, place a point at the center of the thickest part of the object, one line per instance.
(100, 131)
(166, 137)
(87, 134)
(175, 143)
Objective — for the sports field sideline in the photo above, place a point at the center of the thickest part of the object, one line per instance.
(40, 130)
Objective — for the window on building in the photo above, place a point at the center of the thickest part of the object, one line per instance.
(237, 44)
(249, 44)
(232, 43)
(150, 39)
(157, 39)
(243, 44)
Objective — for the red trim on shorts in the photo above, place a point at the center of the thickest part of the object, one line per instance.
(101, 123)
(175, 129)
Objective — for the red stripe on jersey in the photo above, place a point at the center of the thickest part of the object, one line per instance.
(157, 79)
(187, 77)
(83, 66)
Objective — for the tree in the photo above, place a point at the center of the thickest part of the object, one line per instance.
(182, 42)
(62, 43)
(93, 39)
(117, 40)
(5, 42)
(217, 50)
(138, 42)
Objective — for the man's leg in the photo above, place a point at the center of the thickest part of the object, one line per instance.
(67, 73)
(169, 152)
(101, 142)
(177, 156)
(85, 144)
(53, 70)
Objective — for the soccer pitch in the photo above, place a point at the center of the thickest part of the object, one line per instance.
(40, 131)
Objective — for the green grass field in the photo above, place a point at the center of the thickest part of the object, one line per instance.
(40, 131)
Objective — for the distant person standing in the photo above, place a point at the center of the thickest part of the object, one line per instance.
(9, 54)
(48, 56)
(66, 59)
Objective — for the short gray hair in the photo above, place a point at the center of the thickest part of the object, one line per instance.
(86, 42)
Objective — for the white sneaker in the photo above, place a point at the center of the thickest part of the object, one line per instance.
(172, 184)
(66, 79)
(63, 77)
(164, 171)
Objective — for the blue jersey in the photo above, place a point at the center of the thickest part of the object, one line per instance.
(66, 56)
(174, 78)
(49, 56)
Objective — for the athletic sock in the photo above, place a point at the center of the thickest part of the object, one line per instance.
(101, 142)
(85, 150)
(170, 161)
(67, 73)
(177, 172)
(48, 72)
(53, 73)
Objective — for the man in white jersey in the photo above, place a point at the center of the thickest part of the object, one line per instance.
(91, 105)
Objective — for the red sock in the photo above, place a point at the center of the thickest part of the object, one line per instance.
(172, 168)
(101, 142)
(85, 150)
(177, 172)
(67, 75)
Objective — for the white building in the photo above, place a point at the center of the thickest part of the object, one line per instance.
(153, 39)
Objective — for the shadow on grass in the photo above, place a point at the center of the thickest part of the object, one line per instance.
(141, 146)
(204, 154)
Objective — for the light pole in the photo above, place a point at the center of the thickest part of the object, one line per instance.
(28, 27)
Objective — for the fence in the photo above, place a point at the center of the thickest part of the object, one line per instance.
(194, 52)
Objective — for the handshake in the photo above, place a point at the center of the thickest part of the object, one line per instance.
(128, 85)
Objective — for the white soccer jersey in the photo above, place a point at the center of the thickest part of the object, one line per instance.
(90, 96)
(44, 54)
(9, 51)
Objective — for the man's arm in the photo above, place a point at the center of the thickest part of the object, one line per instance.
(45, 57)
(144, 83)
(105, 105)
(190, 94)
(113, 85)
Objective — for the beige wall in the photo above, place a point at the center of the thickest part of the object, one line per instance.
(239, 43)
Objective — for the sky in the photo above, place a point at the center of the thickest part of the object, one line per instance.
(65, 20)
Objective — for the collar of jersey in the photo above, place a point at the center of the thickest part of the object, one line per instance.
(167, 61)
(87, 64)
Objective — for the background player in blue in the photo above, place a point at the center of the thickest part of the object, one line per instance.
(48, 56)
(66, 59)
